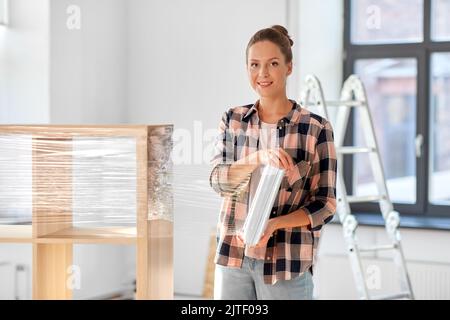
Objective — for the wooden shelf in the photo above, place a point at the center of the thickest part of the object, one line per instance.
(104, 235)
(15, 234)
(76, 130)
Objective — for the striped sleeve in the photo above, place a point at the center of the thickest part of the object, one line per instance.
(222, 160)
(322, 205)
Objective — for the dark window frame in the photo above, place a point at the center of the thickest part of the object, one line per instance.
(421, 51)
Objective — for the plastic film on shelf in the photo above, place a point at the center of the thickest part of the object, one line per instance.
(60, 178)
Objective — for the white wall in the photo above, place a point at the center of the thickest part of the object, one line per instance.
(88, 65)
(52, 74)
(320, 39)
(24, 63)
(187, 58)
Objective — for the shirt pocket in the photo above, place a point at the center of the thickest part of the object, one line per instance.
(294, 182)
(293, 178)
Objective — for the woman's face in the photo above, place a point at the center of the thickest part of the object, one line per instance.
(267, 69)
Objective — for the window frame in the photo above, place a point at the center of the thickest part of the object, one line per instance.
(421, 51)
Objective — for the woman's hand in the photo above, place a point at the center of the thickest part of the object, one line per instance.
(277, 157)
(270, 229)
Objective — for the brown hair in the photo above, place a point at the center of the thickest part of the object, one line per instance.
(276, 34)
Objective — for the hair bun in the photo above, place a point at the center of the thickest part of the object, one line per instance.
(284, 32)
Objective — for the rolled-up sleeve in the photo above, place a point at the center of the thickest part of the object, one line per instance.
(222, 160)
(322, 205)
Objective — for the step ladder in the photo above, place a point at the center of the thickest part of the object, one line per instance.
(353, 95)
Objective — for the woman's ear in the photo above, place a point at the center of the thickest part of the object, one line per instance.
(289, 65)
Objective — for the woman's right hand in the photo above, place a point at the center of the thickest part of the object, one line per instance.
(277, 157)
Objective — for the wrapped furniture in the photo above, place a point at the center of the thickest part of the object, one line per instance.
(65, 185)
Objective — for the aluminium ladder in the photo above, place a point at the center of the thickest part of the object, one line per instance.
(353, 95)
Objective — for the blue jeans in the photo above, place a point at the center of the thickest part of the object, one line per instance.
(247, 283)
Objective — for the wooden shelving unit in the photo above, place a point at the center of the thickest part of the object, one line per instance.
(52, 232)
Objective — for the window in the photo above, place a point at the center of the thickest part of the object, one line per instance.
(391, 90)
(440, 25)
(386, 21)
(439, 191)
(401, 51)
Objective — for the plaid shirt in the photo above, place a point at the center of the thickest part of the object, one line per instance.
(308, 139)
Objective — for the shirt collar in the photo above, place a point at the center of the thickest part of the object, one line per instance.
(292, 117)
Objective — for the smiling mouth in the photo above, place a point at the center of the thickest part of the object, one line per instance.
(264, 84)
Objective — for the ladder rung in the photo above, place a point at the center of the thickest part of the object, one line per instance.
(404, 294)
(377, 248)
(346, 103)
(353, 150)
(357, 199)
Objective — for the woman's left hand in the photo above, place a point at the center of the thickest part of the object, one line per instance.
(270, 229)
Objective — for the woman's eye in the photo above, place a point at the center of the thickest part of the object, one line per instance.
(253, 65)
(274, 63)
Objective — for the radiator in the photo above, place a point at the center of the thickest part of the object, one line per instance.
(334, 278)
(15, 281)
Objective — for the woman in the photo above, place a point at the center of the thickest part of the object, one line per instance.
(279, 132)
